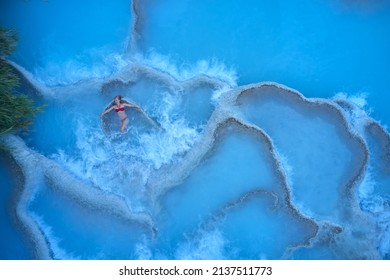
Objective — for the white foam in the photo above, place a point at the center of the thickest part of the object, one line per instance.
(53, 241)
(161, 148)
(379, 211)
(142, 250)
(205, 246)
(219, 92)
(367, 186)
(378, 208)
(357, 111)
(286, 166)
(213, 68)
(92, 64)
(175, 138)
(113, 167)
(384, 224)
(360, 99)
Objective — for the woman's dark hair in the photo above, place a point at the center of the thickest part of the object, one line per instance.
(119, 97)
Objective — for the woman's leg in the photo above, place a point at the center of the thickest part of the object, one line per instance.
(125, 121)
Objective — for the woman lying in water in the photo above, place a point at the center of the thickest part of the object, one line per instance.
(120, 109)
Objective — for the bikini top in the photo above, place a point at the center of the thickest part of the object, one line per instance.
(120, 109)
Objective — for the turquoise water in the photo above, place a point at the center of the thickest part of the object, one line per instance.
(62, 41)
(311, 140)
(11, 242)
(77, 232)
(317, 47)
(216, 165)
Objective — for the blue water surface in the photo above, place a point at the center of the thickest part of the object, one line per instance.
(11, 244)
(317, 47)
(56, 37)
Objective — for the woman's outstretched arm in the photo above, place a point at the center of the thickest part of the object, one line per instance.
(106, 111)
(131, 105)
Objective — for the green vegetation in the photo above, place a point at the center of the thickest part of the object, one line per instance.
(16, 110)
